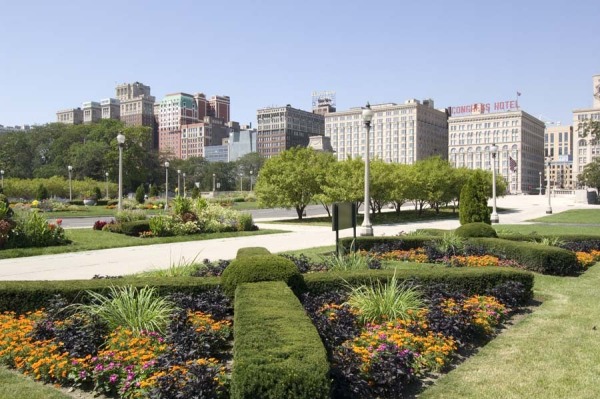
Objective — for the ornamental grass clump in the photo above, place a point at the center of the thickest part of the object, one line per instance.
(130, 307)
(379, 302)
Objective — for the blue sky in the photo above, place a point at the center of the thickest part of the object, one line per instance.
(58, 54)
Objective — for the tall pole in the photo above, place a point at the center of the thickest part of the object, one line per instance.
(251, 181)
(549, 209)
(121, 141)
(106, 174)
(367, 228)
(494, 217)
(183, 184)
(179, 182)
(540, 183)
(70, 168)
(166, 185)
(2, 174)
(241, 187)
(214, 183)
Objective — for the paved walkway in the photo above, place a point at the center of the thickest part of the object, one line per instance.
(120, 261)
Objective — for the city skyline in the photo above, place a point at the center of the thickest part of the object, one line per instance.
(59, 55)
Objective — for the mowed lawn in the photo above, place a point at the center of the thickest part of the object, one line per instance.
(551, 353)
(583, 216)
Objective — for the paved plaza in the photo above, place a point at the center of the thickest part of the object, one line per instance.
(120, 261)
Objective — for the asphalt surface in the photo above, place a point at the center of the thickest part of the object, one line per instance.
(122, 261)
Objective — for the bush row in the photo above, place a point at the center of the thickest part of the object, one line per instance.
(277, 350)
(366, 243)
(538, 258)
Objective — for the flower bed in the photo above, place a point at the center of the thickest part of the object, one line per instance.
(66, 346)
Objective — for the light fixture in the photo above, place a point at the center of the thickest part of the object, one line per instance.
(121, 141)
(494, 217)
(367, 228)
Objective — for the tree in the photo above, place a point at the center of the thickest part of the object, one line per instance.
(590, 128)
(345, 182)
(473, 200)
(140, 194)
(293, 178)
(400, 188)
(381, 185)
(590, 176)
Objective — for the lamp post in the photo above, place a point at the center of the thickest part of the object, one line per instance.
(494, 217)
(367, 228)
(121, 141)
(548, 162)
(70, 168)
(241, 182)
(214, 183)
(251, 181)
(178, 181)
(540, 183)
(183, 184)
(166, 185)
(2, 174)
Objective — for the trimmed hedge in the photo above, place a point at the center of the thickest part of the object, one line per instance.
(366, 243)
(538, 258)
(277, 350)
(252, 251)
(472, 280)
(25, 296)
(476, 229)
(134, 228)
(249, 269)
(573, 242)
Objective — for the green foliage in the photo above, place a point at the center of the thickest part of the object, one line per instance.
(380, 302)
(476, 229)
(5, 211)
(140, 194)
(346, 262)
(154, 190)
(135, 227)
(549, 241)
(96, 192)
(181, 205)
(402, 242)
(590, 176)
(195, 192)
(130, 307)
(473, 200)
(534, 257)
(161, 225)
(450, 244)
(276, 340)
(33, 230)
(41, 193)
(129, 215)
(252, 251)
(261, 268)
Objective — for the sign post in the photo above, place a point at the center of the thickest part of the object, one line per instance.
(344, 217)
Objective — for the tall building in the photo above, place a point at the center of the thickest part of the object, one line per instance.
(586, 149)
(71, 116)
(172, 112)
(195, 137)
(281, 128)
(241, 143)
(219, 107)
(518, 136)
(111, 108)
(558, 147)
(137, 104)
(92, 112)
(402, 133)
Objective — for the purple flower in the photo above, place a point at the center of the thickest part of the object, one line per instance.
(113, 378)
(82, 374)
(99, 367)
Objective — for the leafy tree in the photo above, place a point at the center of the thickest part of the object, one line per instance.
(590, 176)
(293, 178)
(381, 185)
(473, 200)
(401, 183)
(590, 128)
(41, 193)
(140, 194)
(344, 182)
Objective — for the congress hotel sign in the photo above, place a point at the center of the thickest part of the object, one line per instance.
(483, 108)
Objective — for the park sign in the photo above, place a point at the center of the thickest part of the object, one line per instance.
(485, 108)
(344, 217)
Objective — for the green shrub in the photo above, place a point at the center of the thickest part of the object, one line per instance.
(345, 262)
(534, 257)
(450, 244)
(245, 222)
(476, 229)
(181, 205)
(135, 227)
(277, 350)
(195, 192)
(140, 194)
(252, 251)
(161, 225)
(112, 202)
(33, 230)
(96, 192)
(366, 243)
(76, 202)
(153, 192)
(130, 215)
(255, 268)
(473, 200)
(41, 193)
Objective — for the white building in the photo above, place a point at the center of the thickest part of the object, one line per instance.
(586, 149)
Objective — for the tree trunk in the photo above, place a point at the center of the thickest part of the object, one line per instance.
(300, 211)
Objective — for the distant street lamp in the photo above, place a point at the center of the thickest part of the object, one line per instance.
(251, 181)
(2, 174)
(183, 184)
(494, 217)
(214, 183)
(106, 174)
(70, 168)
(178, 181)
(166, 185)
(540, 183)
(367, 228)
(241, 182)
(121, 141)
(548, 162)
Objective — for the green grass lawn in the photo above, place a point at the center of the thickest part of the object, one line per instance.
(14, 385)
(88, 239)
(91, 211)
(546, 229)
(583, 216)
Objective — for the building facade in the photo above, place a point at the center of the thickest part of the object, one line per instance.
(281, 128)
(111, 108)
(402, 133)
(558, 149)
(586, 149)
(137, 104)
(172, 112)
(92, 112)
(241, 143)
(71, 116)
(518, 135)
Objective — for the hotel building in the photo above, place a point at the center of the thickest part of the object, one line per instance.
(586, 149)
(558, 147)
(518, 135)
(402, 133)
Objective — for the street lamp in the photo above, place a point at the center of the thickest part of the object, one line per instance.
(2, 174)
(178, 181)
(70, 168)
(214, 183)
(241, 181)
(548, 162)
(106, 174)
(494, 217)
(540, 183)
(251, 181)
(166, 185)
(367, 229)
(183, 184)
(121, 141)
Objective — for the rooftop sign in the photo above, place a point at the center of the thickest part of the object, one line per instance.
(485, 108)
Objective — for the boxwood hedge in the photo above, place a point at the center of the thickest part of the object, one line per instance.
(366, 243)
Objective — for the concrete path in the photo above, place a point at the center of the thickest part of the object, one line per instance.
(121, 261)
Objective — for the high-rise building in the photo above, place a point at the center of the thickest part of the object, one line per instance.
(172, 112)
(518, 135)
(281, 128)
(195, 137)
(586, 149)
(137, 104)
(241, 143)
(92, 112)
(558, 147)
(219, 107)
(402, 133)
(71, 116)
(111, 108)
